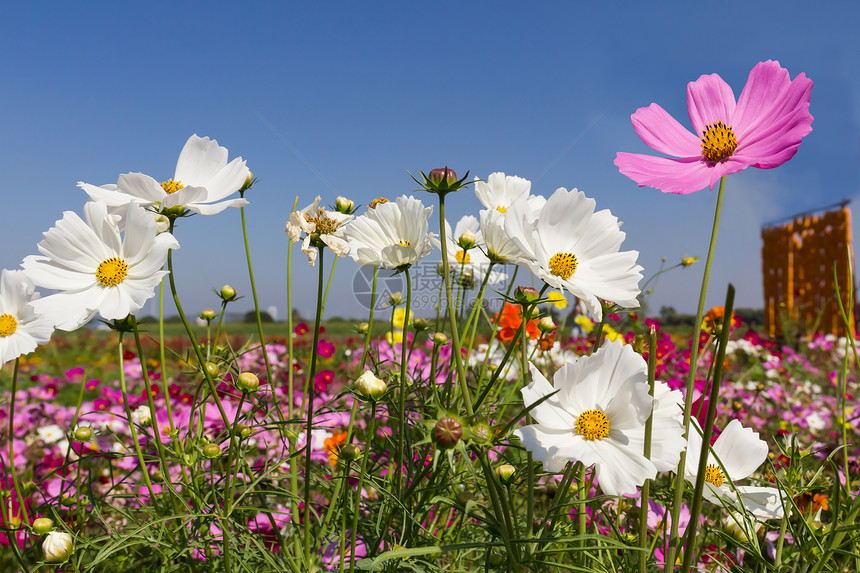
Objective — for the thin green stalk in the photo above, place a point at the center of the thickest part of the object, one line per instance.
(310, 389)
(646, 487)
(294, 478)
(476, 310)
(401, 396)
(162, 357)
(269, 377)
(707, 431)
(691, 378)
(580, 510)
(124, 389)
(15, 483)
(452, 319)
(371, 432)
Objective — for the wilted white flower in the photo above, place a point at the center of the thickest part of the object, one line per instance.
(322, 228)
(57, 546)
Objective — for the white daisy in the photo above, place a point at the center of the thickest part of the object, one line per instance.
(735, 455)
(21, 329)
(496, 243)
(470, 262)
(201, 183)
(595, 414)
(499, 191)
(569, 246)
(392, 235)
(95, 268)
(321, 227)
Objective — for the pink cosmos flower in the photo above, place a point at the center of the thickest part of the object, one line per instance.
(763, 129)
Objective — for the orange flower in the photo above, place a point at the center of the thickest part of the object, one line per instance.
(333, 445)
(511, 320)
(713, 320)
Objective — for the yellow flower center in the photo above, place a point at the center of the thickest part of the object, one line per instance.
(377, 201)
(563, 265)
(171, 186)
(592, 425)
(404, 243)
(718, 142)
(324, 224)
(714, 476)
(111, 271)
(502, 209)
(8, 324)
(462, 257)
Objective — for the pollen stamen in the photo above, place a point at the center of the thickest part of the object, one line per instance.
(592, 425)
(563, 265)
(8, 324)
(718, 142)
(404, 243)
(377, 201)
(111, 271)
(325, 225)
(502, 209)
(171, 186)
(714, 475)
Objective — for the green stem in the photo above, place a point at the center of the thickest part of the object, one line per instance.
(141, 461)
(294, 478)
(401, 396)
(691, 378)
(15, 483)
(310, 410)
(371, 433)
(452, 319)
(646, 487)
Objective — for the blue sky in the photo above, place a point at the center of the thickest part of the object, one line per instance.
(345, 98)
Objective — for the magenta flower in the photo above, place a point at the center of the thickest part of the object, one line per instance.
(763, 129)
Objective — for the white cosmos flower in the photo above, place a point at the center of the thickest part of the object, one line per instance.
(391, 235)
(95, 268)
(471, 262)
(21, 329)
(569, 246)
(500, 191)
(596, 414)
(735, 455)
(498, 245)
(321, 227)
(201, 183)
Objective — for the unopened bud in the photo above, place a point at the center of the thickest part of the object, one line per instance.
(506, 473)
(344, 205)
(440, 338)
(482, 432)
(208, 315)
(248, 382)
(462, 494)
(547, 324)
(363, 328)
(442, 175)
(83, 434)
(42, 525)
(395, 298)
(228, 293)
(369, 387)
(242, 431)
(57, 546)
(212, 369)
(211, 451)
(162, 223)
(467, 240)
(526, 295)
(249, 182)
(349, 452)
(420, 324)
(447, 431)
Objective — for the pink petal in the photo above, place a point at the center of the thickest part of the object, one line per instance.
(709, 99)
(772, 115)
(662, 132)
(671, 175)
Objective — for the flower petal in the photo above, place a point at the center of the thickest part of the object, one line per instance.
(671, 175)
(709, 100)
(662, 132)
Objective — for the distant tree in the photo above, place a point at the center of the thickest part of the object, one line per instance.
(251, 316)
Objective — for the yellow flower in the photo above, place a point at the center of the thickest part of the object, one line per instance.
(557, 298)
(585, 323)
(394, 337)
(611, 335)
(687, 261)
(401, 318)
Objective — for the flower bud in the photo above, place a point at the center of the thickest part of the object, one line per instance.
(228, 293)
(481, 432)
(344, 205)
(547, 324)
(349, 452)
(242, 431)
(442, 176)
(447, 432)
(462, 494)
(526, 295)
(395, 298)
(439, 338)
(363, 328)
(248, 382)
(57, 546)
(506, 473)
(420, 324)
(211, 451)
(249, 182)
(212, 369)
(162, 223)
(208, 315)
(369, 387)
(687, 261)
(467, 240)
(42, 525)
(83, 434)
